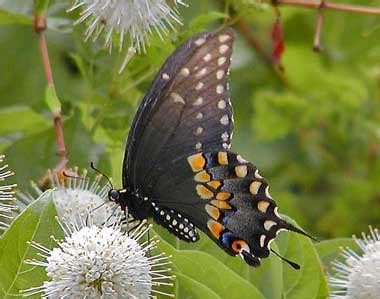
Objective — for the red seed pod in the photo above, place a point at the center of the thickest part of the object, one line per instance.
(278, 42)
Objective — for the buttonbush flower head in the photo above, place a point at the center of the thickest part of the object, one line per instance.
(137, 18)
(358, 276)
(100, 262)
(7, 200)
(78, 193)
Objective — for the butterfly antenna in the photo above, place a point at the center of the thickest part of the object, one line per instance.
(98, 171)
(73, 176)
(293, 264)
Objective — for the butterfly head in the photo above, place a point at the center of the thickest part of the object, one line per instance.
(114, 195)
(119, 197)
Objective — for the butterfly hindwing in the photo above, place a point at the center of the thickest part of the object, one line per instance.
(226, 197)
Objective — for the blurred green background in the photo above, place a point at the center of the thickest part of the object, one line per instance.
(313, 131)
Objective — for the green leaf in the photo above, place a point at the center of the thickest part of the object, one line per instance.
(269, 273)
(8, 17)
(28, 121)
(36, 223)
(330, 250)
(190, 288)
(201, 268)
(200, 22)
(52, 100)
(309, 280)
(41, 6)
(37, 152)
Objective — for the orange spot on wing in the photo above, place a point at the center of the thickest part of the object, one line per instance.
(214, 184)
(215, 228)
(202, 176)
(203, 192)
(222, 158)
(254, 187)
(197, 162)
(241, 171)
(223, 195)
(221, 204)
(212, 211)
(263, 206)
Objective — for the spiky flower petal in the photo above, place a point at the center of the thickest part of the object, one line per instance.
(100, 262)
(137, 18)
(7, 200)
(358, 277)
(77, 194)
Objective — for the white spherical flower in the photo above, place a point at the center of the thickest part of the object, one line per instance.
(137, 18)
(358, 277)
(7, 200)
(77, 194)
(101, 262)
(80, 194)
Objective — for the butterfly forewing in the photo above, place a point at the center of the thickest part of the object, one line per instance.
(189, 113)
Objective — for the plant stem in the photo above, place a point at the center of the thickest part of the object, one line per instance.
(315, 4)
(245, 31)
(318, 29)
(40, 28)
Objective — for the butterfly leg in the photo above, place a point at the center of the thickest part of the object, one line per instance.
(135, 226)
(149, 252)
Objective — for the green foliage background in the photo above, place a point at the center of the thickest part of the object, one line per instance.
(313, 132)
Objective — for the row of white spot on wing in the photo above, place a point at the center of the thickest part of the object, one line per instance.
(199, 100)
(224, 120)
(220, 74)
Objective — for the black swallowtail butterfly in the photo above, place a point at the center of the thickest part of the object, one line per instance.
(178, 168)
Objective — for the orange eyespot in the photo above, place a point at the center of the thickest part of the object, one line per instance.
(239, 245)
